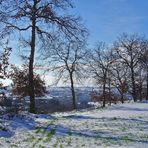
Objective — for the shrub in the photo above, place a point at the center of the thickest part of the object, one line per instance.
(20, 78)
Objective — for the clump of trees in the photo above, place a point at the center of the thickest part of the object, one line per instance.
(36, 21)
(46, 26)
(128, 49)
(144, 65)
(122, 66)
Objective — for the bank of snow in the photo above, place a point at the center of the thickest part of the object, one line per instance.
(124, 125)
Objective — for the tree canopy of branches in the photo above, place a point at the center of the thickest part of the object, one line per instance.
(128, 49)
(144, 64)
(36, 20)
(66, 58)
(99, 62)
(119, 77)
(122, 66)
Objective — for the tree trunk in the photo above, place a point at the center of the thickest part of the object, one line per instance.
(104, 99)
(140, 92)
(110, 101)
(31, 62)
(133, 85)
(122, 98)
(73, 92)
(121, 93)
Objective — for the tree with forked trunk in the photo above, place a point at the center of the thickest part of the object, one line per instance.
(119, 77)
(99, 61)
(128, 49)
(67, 63)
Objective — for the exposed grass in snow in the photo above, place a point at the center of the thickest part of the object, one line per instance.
(116, 126)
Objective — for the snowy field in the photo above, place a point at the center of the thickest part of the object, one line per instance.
(122, 125)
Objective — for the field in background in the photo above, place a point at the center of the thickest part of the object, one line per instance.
(57, 99)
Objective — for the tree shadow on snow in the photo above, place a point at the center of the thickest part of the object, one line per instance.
(10, 123)
(126, 108)
(104, 134)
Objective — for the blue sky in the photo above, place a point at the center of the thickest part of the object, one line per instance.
(107, 19)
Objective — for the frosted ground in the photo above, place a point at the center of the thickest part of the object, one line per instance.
(122, 125)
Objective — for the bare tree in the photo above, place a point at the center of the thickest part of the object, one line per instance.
(35, 20)
(140, 79)
(99, 61)
(119, 77)
(128, 49)
(144, 64)
(66, 60)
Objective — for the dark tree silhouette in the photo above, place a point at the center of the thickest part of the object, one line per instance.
(144, 63)
(67, 62)
(99, 63)
(128, 49)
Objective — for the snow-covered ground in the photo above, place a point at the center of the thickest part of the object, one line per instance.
(122, 125)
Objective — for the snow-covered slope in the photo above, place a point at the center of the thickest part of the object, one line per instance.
(122, 125)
